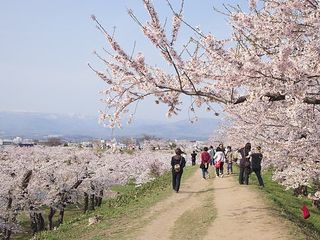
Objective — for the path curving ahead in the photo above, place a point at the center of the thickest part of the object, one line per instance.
(239, 213)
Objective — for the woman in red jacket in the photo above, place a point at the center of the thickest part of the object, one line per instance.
(205, 160)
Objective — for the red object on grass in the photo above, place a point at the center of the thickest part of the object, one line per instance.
(306, 213)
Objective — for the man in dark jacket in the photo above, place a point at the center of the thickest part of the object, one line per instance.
(256, 159)
(244, 164)
(177, 163)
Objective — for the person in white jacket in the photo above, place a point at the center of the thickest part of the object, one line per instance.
(219, 160)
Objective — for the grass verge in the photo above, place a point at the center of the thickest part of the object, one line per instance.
(120, 216)
(290, 206)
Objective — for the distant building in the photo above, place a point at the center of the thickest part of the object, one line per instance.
(87, 144)
(121, 145)
(17, 140)
(73, 144)
(6, 142)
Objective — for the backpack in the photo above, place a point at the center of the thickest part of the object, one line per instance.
(177, 167)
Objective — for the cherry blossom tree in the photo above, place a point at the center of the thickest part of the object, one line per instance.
(54, 177)
(266, 76)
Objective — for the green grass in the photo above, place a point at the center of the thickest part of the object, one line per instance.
(290, 206)
(71, 213)
(193, 224)
(120, 216)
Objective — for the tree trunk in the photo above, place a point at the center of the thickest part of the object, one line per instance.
(301, 190)
(316, 203)
(33, 222)
(100, 198)
(50, 216)
(91, 206)
(26, 179)
(96, 201)
(36, 222)
(86, 202)
(40, 222)
(7, 234)
(60, 218)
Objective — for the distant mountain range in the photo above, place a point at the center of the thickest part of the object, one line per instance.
(41, 125)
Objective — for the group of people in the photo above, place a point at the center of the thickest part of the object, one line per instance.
(249, 161)
(217, 158)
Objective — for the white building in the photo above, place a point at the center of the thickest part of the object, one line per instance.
(17, 140)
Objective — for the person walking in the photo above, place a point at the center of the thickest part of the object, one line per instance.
(177, 163)
(193, 158)
(244, 164)
(222, 147)
(205, 160)
(230, 158)
(219, 159)
(211, 153)
(256, 158)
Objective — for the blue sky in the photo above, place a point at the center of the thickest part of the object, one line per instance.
(45, 46)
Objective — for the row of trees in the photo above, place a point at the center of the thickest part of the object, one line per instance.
(266, 77)
(39, 178)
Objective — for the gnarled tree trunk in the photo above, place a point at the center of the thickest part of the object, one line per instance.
(100, 198)
(86, 202)
(37, 222)
(50, 218)
(61, 215)
(40, 222)
(91, 205)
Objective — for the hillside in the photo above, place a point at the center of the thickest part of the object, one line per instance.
(39, 125)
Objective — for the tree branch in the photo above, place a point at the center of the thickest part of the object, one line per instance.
(273, 97)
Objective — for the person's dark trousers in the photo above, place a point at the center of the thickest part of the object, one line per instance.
(204, 170)
(258, 174)
(221, 167)
(193, 163)
(176, 179)
(246, 175)
(229, 168)
(217, 172)
(241, 175)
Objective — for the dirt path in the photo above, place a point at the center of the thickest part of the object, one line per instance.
(168, 211)
(242, 214)
(236, 206)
